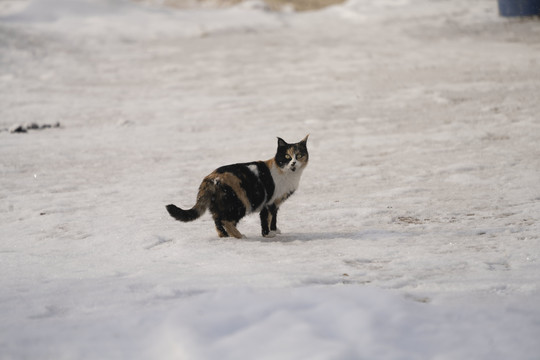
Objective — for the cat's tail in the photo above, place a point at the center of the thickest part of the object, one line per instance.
(204, 197)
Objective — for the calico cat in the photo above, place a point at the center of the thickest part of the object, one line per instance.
(233, 191)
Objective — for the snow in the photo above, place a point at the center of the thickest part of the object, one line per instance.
(415, 231)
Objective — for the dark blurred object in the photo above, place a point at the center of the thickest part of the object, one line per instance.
(519, 7)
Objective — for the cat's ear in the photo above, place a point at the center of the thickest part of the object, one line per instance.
(281, 142)
(304, 140)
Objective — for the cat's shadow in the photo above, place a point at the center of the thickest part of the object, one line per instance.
(322, 236)
(290, 237)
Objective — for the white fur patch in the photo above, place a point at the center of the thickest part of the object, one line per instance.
(254, 169)
(286, 182)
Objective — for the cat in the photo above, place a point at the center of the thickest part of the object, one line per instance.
(233, 191)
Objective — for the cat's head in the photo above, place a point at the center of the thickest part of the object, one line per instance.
(292, 157)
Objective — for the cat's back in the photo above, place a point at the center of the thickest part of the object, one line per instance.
(250, 171)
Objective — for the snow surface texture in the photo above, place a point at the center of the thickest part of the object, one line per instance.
(415, 232)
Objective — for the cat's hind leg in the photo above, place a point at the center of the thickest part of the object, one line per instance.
(221, 231)
(230, 228)
(220, 228)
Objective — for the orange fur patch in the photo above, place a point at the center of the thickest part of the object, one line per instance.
(290, 151)
(271, 164)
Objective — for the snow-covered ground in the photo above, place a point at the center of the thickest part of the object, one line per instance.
(416, 230)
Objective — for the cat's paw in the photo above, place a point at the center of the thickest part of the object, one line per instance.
(277, 231)
(271, 234)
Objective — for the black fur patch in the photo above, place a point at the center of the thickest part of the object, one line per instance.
(265, 177)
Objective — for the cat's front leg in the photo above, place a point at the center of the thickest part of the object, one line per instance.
(269, 221)
(273, 209)
(265, 222)
(273, 215)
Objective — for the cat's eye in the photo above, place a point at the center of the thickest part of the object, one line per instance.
(288, 157)
(299, 156)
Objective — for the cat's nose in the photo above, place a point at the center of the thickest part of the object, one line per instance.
(293, 163)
